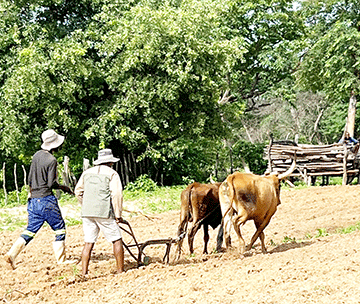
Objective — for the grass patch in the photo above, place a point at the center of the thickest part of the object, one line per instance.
(10, 222)
(69, 221)
(67, 199)
(349, 229)
(152, 201)
(321, 232)
(160, 200)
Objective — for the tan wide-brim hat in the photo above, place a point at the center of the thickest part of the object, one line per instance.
(51, 140)
(105, 156)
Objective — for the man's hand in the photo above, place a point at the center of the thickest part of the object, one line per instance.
(66, 189)
(120, 220)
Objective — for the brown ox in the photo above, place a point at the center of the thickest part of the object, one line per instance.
(200, 205)
(246, 196)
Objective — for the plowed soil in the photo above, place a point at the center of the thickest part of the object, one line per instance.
(308, 261)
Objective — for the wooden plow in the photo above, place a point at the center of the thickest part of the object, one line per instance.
(140, 247)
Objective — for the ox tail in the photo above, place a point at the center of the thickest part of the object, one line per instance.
(230, 193)
(185, 217)
(185, 213)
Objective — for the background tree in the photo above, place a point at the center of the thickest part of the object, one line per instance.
(178, 89)
(331, 62)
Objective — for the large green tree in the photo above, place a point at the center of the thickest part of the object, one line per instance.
(331, 61)
(144, 77)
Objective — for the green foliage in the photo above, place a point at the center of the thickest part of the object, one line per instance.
(143, 184)
(288, 239)
(330, 64)
(72, 222)
(190, 160)
(11, 222)
(252, 155)
(349, 229)
(272, 36)
(148, 75)
(321, 232)
(81, 68)
(12, 198)
(67, 199)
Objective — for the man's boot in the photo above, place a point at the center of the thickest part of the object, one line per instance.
(16, 248)
(59, 250)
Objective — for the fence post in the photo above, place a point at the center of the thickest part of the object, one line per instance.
(344, 182)
(25, 179)
(4, 184)
(16, 185)
(269, 169)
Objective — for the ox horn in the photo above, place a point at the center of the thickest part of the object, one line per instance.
(289, 171)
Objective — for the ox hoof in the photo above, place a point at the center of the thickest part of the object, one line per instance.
(248, 248)
(219, 250)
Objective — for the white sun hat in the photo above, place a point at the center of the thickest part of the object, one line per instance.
(105, 156)
(51, 140)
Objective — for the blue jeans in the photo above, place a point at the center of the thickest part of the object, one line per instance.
(41, 210)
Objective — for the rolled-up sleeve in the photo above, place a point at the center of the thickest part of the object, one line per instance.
(79, 189)
(116, 194)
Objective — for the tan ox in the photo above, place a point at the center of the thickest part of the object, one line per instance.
(246, 196)
(200, 205)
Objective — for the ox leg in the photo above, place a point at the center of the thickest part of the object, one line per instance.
(237, 223)
(262, 239)
(227, 227)
(220, 238)
(181, 235)
(206, 237)
(191, 236)
(260, 232)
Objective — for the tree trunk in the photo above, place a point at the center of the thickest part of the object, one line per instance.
(126, 170)
(350, 122)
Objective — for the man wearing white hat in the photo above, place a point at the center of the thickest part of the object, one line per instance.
(42, 204)
(99, 191)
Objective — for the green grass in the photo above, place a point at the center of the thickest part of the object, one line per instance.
(72, 221)
(321, 232)
(67, 199)
(160, 200)
(11, 222)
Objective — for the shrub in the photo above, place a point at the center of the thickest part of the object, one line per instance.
(142, 183)
(12, 200)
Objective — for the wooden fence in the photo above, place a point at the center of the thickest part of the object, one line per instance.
(313, 161)
(66, 175)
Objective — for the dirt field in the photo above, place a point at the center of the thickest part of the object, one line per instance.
(305, 269)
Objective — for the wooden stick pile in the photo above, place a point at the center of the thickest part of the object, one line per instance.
(311, 159)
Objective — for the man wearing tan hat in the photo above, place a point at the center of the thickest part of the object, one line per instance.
(99, 191)
(42, 204)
